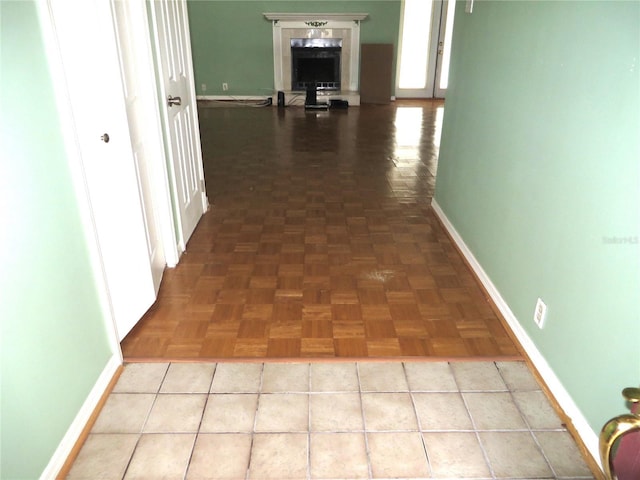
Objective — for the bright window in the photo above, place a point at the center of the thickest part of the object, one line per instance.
(416, 32)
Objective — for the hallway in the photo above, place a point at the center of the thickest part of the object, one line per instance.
(319, 322)
(320, 243)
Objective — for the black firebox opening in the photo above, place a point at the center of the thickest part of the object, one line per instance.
(315, 65)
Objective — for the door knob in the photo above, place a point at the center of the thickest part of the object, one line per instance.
(105, 138)
(171, 101)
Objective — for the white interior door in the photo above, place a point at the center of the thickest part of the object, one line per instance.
(144, 126)
(173, 53)
(89, 58)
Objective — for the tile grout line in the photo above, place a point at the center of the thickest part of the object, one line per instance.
(309, 423)
(364, 423)
(418, 423)
(527, 423)
(544, 455)
(473, 423)
(144, 423)
(204, 409)
(255, 420)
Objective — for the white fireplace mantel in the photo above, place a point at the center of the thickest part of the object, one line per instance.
(301, 17)
(317, 25)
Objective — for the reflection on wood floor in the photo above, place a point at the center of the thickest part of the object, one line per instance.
(320, 242)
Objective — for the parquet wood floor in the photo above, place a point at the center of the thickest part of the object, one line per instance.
(320, 242)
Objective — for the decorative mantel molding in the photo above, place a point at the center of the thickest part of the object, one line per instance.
(313, 17)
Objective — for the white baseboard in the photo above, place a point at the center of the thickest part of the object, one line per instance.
(291, 98)
(562, 397)
(234, 97)
(75, 430)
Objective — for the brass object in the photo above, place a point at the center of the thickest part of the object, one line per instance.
(616, 427)
(632, 394)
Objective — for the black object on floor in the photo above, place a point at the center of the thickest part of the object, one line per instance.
(335, 103)
(312, 96)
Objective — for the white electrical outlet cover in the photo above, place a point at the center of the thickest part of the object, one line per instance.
(540, 313)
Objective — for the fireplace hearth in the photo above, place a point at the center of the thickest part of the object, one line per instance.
(315, 63)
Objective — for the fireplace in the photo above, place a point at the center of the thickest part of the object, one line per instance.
(315, 63)
(327, 48)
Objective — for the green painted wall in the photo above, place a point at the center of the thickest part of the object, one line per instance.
(53, 340)
(540, 174)
(232, 42)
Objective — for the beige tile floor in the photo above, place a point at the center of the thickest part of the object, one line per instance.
(337, 420)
